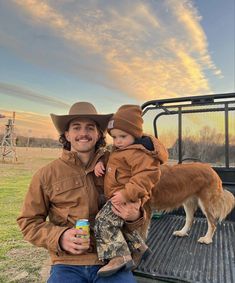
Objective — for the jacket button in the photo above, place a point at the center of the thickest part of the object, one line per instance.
(57, 189)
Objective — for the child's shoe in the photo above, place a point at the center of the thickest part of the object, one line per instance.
(141, 254)
(116, 264)
(144, 251)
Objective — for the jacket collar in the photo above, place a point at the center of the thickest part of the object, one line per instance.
(71, 157)
(159, 151)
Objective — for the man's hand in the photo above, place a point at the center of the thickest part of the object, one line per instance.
(99, 169)
(72, 242)
(129, 211)
(118, 198)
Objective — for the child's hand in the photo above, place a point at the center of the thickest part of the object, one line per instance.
(99, 169)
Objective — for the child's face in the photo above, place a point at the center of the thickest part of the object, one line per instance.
(121, 139)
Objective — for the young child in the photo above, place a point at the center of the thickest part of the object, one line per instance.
(132, 171)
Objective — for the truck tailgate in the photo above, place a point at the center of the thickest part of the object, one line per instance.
(184, 259)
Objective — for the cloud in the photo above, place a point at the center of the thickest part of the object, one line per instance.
(188, 16)
(21, 92)
(30, 124)
(145, 49)
(44, 14)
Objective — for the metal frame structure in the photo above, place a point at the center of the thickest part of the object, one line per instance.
(184, 105)
(8, 146)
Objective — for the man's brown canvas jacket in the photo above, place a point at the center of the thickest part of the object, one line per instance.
(59, 194)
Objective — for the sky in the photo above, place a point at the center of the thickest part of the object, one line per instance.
(57, 52)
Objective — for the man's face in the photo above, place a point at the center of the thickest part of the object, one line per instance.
(83, 135)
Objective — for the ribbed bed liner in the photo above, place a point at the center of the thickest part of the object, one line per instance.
(186, 260)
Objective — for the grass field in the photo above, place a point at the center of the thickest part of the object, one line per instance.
(19, 261)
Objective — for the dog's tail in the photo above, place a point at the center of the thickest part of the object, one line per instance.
(223, 203)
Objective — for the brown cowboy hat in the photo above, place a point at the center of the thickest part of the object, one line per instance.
(80, 110)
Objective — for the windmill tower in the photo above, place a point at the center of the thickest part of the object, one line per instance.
(8, 144)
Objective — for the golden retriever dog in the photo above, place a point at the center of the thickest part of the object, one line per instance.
(191, 185)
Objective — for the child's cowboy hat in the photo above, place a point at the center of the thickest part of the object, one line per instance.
(80, 110)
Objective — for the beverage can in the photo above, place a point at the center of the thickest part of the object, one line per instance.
(83, 224)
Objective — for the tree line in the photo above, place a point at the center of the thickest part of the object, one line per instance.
(208, 146)
(23, 141)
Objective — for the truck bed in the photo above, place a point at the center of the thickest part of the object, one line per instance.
(177, 259)
(184, 259)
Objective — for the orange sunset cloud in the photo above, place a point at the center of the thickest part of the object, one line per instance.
(141, 55)
(30, 124)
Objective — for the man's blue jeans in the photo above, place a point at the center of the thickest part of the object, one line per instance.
(61, 273)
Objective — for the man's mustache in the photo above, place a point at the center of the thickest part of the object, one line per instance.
(83, 137)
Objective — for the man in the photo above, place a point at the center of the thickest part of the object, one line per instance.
(66, 190)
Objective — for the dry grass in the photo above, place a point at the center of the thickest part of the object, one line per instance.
(20, 261)
(28, 159)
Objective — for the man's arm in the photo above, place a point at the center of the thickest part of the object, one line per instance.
(32, 219)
